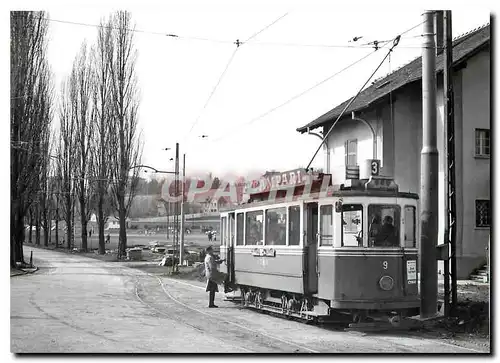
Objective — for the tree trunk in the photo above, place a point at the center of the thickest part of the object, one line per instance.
(73, 227)
(83, 219)
(17, 233)
(46, 230)
(57, 227)
(69, 226)
(14, 239)
(100, 222)
(38, 225)
(12, 249)
(30, 239)
(123, 229)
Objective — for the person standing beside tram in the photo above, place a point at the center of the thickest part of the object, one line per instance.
(213, 275)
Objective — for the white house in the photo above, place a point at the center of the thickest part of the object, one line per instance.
(385, 122)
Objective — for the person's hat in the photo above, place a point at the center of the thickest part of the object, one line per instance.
(209, 248)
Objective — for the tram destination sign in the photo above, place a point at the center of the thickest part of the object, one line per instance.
(296, 177)
(381, 183)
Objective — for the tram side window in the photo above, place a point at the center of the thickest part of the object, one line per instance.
(239, 230)
(384, 222)
(223, 231)
(352, 225)
(410, 226)
(254, 231)
(326, 225)
(294, 226)
(276, 227)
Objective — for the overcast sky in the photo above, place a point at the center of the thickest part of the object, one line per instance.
(177, 75)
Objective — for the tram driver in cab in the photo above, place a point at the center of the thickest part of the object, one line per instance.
(383, 235)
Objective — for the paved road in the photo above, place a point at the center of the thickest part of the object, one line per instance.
(77, 304)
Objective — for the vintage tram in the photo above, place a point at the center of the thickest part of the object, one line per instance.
(305, 248)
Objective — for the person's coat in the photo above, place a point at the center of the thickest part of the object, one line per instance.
(211, 269)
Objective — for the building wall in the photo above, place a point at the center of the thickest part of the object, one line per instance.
(475, 113)
(399, 144)
(348, 129)
(406, 145)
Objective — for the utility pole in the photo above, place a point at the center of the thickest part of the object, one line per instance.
(451, 228)
(440, 46)
(181, 252)
(429, 174)
(176, 206)
(167, 210)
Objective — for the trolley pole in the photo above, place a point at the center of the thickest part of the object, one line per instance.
(181, 251)
(429, 176)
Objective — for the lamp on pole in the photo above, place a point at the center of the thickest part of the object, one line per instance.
(155, 171)
(176, 216)
(179, 229)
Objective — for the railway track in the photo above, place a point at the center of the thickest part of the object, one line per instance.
(367, 330)
(175, 317)
(224, 330)
(230, 328)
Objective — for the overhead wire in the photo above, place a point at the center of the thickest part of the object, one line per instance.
(174, 36)
(293, 98)
(396, 42)
(213, 90)
(314, 86)
(220, 41)
(238, 43)
(265, 28)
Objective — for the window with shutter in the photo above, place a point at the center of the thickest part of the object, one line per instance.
(351, 152)
(482, 148)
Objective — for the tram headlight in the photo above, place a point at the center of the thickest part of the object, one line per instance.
(386, 283)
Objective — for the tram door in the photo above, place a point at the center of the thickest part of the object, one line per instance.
(311, 247)
(224, 242)
(231, 232)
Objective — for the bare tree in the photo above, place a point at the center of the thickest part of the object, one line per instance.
(83, 114)
(66, 155)
(46, 110)
(102, 104)
(124, 138)
(45, 192)
(29, 119)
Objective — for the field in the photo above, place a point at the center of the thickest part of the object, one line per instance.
(193, 241)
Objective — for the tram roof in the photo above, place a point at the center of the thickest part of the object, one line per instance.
(315, 197)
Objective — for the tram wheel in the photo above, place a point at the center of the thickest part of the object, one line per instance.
(359, 318)
(283, 304)
(258, 299)
(395, 320)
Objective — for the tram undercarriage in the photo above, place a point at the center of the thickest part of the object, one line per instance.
(310, 309)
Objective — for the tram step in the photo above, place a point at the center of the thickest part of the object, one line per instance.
(232, 298)
(479, 278)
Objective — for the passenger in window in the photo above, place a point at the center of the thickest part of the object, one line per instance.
(275, 230)
(386, 236)
(374, 229)
(254, 234)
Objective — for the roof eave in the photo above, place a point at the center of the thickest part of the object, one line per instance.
(316, 123)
